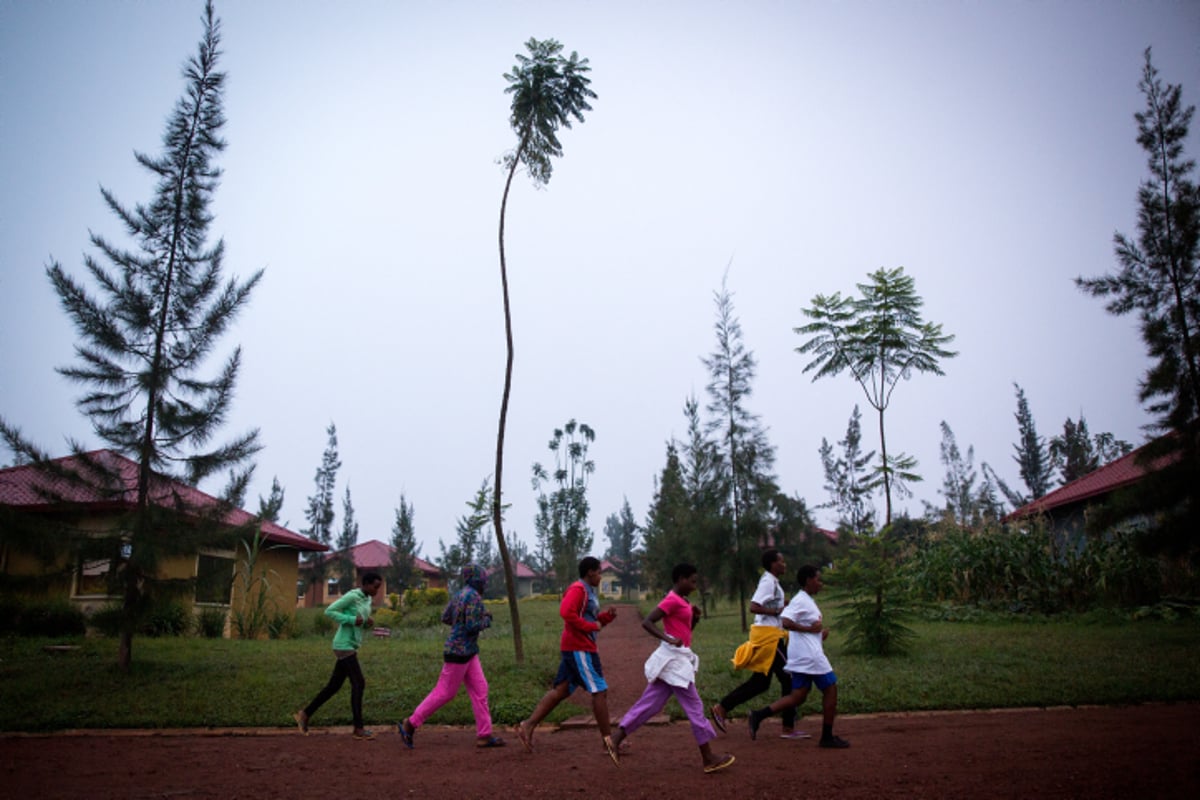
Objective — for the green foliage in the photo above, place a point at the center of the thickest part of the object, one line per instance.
(257, 610)
(848, 479)
(319, 512)
(41, 617)
(417, 598)
(876, 612)
(167, 619)
(321, 624)
(107, 620)
(210, 623)
(880, 338)
(404, 549)
(281, 625)
(562, 515)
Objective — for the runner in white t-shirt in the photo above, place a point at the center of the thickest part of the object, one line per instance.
(806, 659)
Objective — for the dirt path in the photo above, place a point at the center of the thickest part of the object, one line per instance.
(1147, 751)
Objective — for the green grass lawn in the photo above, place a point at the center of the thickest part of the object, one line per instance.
(186, 682)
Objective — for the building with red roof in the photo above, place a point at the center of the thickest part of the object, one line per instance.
(1066, 507)
(85, 496)
(372, 556)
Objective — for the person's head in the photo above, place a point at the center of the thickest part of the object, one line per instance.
(589, 570)
(809, 578)
(474, 576)
(772, 561)
(371, 581)
(685, 577)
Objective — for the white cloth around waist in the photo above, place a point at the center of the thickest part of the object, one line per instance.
(675, 666)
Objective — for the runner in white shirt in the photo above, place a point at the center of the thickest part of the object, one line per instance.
(806, 660)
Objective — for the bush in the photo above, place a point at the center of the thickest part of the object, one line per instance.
(51, 618)
(322, 624)
(418, 598)
(281, 625)
(387, 618)
(210, 623)
(166, 619)
(107, 620)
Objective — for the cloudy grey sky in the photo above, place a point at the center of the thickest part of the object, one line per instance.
(987, 147)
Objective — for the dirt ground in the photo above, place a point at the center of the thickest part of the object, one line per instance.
(1146, 751)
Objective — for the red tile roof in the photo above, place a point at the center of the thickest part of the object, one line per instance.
(376, 555)
(1114, 475)
(35, 489)
(521, 571)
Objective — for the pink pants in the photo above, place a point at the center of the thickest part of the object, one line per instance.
(452, 677)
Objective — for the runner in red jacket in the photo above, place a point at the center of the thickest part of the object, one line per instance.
(580, 664)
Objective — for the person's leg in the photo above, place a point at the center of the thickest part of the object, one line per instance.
(788, 715)
(653, 698)
(693, 707)
(800, 686)
(336, 679)
(477, 691)
(600, 712)
(750, 688)
(443, 692)
(357, 685)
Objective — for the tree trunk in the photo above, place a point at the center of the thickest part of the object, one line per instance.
(497, 497)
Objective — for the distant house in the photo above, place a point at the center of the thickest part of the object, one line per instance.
(523, 576)
(1066, 507)
(87, 511)
(612, 587)
(372, 556)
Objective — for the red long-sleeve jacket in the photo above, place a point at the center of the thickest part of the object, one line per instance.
(579, 632)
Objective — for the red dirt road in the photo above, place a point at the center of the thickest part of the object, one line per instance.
(1148, 751)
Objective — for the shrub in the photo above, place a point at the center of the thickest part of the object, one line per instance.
(51, 618)
(281, 625)
(416, 598)
(322, 624)
(167, 619)
(210, 623)
(387, 618)
(107, 620)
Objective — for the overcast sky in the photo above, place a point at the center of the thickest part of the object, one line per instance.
(987, 147)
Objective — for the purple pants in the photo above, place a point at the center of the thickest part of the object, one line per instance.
(452, 677)
(655, 697)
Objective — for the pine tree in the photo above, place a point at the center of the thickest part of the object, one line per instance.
(741, 440)
(958, 485)
(270, 507)
(404, 547)
(156, 314)
(347, 539)
(1032, 456)
(1159, 278)
(621, 529)
(319, 513)
(665, 537)
(849, 480)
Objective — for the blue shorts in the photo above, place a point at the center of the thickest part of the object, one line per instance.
(581, 669)
(801, 680)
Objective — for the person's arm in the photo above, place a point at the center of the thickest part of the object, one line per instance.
(572, 602)
(476, 616)
(757, 608)
(649, 625)
(336, 610)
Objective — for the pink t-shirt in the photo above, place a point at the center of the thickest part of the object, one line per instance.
(677, 619)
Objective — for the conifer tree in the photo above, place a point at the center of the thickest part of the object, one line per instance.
(146, 329)
(849, 480)
(621, 529)
(665, 538)
(347, 539)
(270, 507)
(1032, 456)
(404, 547)
(320, 513)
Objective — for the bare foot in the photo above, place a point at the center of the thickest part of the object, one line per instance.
(525, 735)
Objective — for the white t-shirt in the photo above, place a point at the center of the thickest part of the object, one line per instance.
(806, 654)
(769, 594)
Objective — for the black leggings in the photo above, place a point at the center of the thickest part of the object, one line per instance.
(759, 682)
(344, 668)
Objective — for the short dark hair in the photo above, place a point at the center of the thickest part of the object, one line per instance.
(769, 556)
(588, 564)
(371, 577)
(806, 572)
(682, 571)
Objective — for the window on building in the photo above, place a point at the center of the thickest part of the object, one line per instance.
(214, 579)
(333, 588)
(96, 570)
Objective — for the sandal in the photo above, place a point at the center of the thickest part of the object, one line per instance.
(612, 751)
(718, 717)
(720, 765)
(491, 741)
(405, 736)
(525, 738)
(364, 735)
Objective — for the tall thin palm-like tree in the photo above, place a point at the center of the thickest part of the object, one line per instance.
(548, 90)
